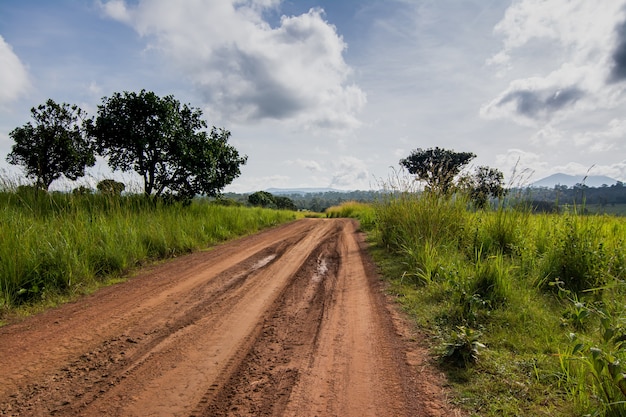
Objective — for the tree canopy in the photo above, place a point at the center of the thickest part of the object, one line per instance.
(484, 183)
(262, 199)
(164, 142)
(269, 200)
(55, 145)
(436, 167)
(111, 187)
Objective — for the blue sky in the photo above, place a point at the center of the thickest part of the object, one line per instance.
(334, 93)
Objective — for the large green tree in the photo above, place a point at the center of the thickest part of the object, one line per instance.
(166, 143)
(436, 167)
(55, 145)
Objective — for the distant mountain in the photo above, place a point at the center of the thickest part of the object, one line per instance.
(571, 180)
(283, 191)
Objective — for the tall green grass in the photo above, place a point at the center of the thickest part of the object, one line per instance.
(61, 243)
(521, 285)
(361, 211)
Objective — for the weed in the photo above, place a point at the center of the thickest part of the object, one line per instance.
(463, 348)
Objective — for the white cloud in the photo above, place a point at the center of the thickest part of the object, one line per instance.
(585, 27)
(585, 37)
(605, 139)
(117, 10)
(246, 68)
(519, 166)
(94, 88)
(13, 74)
(310, 165)
(350, 172)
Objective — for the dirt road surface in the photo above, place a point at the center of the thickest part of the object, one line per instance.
(288, 322)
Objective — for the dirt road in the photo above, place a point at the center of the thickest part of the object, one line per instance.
(288, 322)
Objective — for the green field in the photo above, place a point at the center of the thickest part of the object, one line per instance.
(524, 312)
(58, 245)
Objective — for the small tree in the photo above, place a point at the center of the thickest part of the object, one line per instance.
(164, 143)
(485, 183)
(111, 187)
(56, 145)
(437, 167)
(262, 199)
(285, 203)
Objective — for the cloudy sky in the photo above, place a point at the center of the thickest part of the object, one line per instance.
(333, 93)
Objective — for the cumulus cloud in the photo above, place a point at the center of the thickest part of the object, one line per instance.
(605, 139)
(590, 38)
(350, 172)
(13, 74)
(116, 9)
(247, 69)
(308, 164)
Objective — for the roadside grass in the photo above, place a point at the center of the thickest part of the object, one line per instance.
(363, 212)
(58, 245)
(524, 312)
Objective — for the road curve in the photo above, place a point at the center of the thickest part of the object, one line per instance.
(288, 322)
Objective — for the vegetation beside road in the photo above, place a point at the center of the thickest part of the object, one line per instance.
(55, 245)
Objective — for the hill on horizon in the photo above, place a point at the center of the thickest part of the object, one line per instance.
(571, 180)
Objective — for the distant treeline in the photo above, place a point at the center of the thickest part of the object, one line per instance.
(548, 199)
(539, 199)
(319, 201)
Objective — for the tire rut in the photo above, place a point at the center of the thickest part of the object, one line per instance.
(262, 382)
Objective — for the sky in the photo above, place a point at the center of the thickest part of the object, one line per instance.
(333, 93)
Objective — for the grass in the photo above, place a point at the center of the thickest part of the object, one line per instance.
(524, 312)
(56, 245)
(612, 209)
(361, 211)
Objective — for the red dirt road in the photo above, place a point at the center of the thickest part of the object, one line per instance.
(289, 322)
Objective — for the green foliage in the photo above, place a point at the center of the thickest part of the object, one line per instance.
(595, 368)
(268, 200)
(67, 243)
(483, 184)
(363, 212)
(470, 277)
(497, 233)
(164, 143)
(405, 220)
(262, 199)
(82, 190)
(436, 167)
(578, 260)
(111, 187)
(491, 281)
(463, 348)
(284, 203)
(56, 145)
